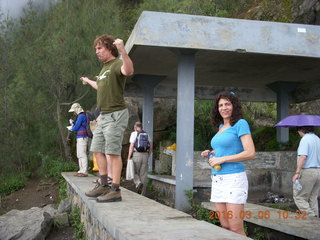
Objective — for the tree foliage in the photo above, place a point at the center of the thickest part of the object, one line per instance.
(44, 53)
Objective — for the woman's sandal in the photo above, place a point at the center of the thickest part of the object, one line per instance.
(82, 175)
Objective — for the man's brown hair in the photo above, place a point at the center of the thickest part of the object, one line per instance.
(107, 41)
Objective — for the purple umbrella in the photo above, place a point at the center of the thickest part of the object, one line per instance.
(299, 121)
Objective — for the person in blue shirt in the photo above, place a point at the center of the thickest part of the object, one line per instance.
(231, 145)
(308, 172)
(82, 138)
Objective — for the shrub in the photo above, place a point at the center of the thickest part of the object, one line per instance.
(11, 182)
(75, 220)
(52, 167)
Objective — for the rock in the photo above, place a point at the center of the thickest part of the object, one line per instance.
(51, 210)
(61, 220)
(306, 12)
(34, 223)
(165, 112)
(65, 206)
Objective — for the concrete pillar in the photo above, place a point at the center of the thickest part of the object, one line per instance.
(185, 129)
(147, 83)
(283, 90)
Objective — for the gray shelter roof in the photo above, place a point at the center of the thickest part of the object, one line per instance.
(231, 54)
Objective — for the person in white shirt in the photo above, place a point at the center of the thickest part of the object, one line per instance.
(308, 172)
(140, 150)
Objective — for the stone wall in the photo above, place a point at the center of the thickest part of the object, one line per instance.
(270, 171)
(93, 228)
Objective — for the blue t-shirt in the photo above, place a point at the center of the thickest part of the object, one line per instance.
(310, 146)
(229, 143)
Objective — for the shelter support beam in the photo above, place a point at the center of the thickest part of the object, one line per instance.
(147, 83)
(283, 90)
(185, 129)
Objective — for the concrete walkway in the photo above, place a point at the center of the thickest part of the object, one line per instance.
(138, 217)
(291, 223)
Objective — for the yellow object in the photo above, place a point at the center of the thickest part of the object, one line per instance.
(95, 165)
(172, 147)
(84, 83)
(217, 167)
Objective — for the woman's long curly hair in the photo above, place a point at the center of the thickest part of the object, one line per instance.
(236, 113)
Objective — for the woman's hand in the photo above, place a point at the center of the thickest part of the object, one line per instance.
(215, 161)
(205, 153)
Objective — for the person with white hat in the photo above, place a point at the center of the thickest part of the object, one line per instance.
(82, 138)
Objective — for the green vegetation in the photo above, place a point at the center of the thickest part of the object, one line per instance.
(62, 189)
(282, 207)
(203, 130)
(154, 191)
(12, 182)
(258, 233)
(200, 212)
(75, 221)
(52, 167)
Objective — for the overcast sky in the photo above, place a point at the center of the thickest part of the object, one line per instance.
(14, 7)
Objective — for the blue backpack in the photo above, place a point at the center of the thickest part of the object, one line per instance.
(142, 142)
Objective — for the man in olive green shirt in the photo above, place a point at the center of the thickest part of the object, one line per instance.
(107, 139)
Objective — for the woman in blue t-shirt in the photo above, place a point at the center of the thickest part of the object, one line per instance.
(231, 145)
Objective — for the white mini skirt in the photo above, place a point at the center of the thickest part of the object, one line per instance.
(229, 188)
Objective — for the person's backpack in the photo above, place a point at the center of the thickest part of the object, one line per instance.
(90, 117)
(142, 142)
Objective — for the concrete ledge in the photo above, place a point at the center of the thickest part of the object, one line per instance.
(172, 180)
(163, 178)
(137, 217)
(283, 221)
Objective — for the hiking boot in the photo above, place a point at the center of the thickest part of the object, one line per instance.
(97, 190)
(112, 195)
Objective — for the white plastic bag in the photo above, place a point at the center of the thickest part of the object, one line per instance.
(130, 170)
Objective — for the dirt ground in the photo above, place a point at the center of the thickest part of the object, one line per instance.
(37, 193)
(41, 192)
